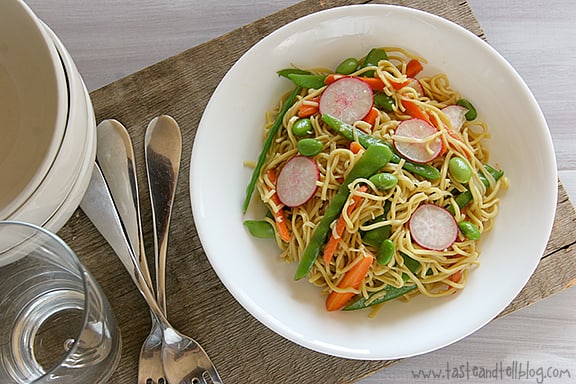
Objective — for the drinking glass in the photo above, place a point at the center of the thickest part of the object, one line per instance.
(56, 323)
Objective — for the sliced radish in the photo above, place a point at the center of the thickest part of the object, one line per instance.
(433, 227)
(296, 183)
(348, 99)
(421, 151)
(457, 116)
(415, 84)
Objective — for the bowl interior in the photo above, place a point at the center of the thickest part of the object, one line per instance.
(33, 104)
(250, 268)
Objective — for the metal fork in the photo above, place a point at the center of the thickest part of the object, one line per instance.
(162, 150)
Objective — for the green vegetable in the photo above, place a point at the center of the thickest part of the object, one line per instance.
(310, 147)
(384, 181)
(372, 59)
(266, 147)
(410, 263)
(464, 198)
(347, 66)
(390, 293)
(308, 81)
(384, 102)
(385, 252)
(302, 127)
(495, 173)
(290, 71)
(460, 169)
(376, 236)
(366, 140)
(469, 230)
(374, 158)
(471, 114)
(260, 228)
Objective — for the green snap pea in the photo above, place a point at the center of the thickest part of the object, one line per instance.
(387, 294)
(292, 71)
(372, 58)
(460, 169)
(302, 127)
(384, 181)
(471, 114)
(259, 228)
(464, 198)
(384, 102)
(307, 81)
(469, 230)
(376, 236)
(374, 158)
(310, 147)
(266, 147)
(385, 252)
(495, 173)
(348, 66)
(366, 140)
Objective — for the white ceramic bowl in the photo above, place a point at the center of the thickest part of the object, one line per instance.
(60, 193)
(33, 105)
(264, 285)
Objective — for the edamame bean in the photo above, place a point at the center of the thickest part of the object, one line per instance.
(310, 147)
(347, 66)
(260, 228)
(471, 114)
(384, 181)
(384, 102)
(469, 230)
(302, 127)
(385, 252)
(459, 169)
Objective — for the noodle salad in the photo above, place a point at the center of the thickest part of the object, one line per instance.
(377, 181)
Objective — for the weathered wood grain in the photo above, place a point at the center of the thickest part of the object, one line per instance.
(244, 350)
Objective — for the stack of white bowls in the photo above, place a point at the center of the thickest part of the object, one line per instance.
(47, 124)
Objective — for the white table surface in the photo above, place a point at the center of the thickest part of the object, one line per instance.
(110, 39)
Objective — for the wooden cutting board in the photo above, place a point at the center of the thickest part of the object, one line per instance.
(244, 350)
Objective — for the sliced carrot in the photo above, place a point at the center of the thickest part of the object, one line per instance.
(370, 118)
(413, 68)
(352, 279)
(398, 86)
(456, 277)
(279, 216)
(340, 225)
(375, 83)
(307, 110)
(413, 110)
(355, 147)
(333, 77)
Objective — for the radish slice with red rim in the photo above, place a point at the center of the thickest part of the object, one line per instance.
(421, 150)
(296, 183)
(415, 84)
(457, 116)
(433, 227)
(348, 99)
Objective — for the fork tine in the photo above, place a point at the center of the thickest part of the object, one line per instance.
(212, 375)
